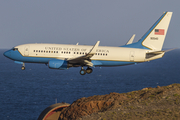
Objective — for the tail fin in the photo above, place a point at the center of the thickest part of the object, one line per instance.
(154, 37)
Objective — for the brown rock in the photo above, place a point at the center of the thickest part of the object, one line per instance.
(93, 104)
(145, 102)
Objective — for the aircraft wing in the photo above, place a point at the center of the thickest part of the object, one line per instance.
(85, 59)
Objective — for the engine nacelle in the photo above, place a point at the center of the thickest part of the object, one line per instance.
(58, 64)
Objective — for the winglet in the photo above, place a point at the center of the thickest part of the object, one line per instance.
(86, 57)
(131, 39)
(93, 50)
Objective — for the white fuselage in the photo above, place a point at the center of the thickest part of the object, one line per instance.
(64, 51)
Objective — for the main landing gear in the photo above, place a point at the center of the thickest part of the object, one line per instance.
(83, 71)
(23, 67)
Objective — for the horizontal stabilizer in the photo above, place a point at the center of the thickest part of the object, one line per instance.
(156, 54)
(153, 54)
(169, 50)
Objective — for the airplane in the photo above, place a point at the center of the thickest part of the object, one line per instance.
(64, 56)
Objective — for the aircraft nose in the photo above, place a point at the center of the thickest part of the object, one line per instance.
(7, 54)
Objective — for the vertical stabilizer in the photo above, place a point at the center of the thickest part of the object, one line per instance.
(154, 38)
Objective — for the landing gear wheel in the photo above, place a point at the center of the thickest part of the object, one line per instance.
(23, 68)
(89, 70)
(82, 72)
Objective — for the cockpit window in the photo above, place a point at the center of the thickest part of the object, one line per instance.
(14, 49)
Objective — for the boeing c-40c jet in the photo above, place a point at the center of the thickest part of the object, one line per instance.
(64, 56)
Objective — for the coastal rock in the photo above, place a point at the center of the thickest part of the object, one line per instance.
(87, 106)
(154, 103)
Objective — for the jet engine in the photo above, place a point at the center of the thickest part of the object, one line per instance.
(58, 64)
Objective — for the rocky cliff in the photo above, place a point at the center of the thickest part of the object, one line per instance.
(148, 103)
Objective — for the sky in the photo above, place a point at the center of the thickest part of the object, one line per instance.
(112, 22)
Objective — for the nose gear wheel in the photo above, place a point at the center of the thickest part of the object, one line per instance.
(23, 67)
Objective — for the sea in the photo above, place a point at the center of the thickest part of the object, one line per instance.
(24, 94)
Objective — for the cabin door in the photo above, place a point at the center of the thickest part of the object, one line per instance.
(26, 51)
(132, 56)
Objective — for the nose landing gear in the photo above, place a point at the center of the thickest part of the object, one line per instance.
(88, 70)
(23, 67)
